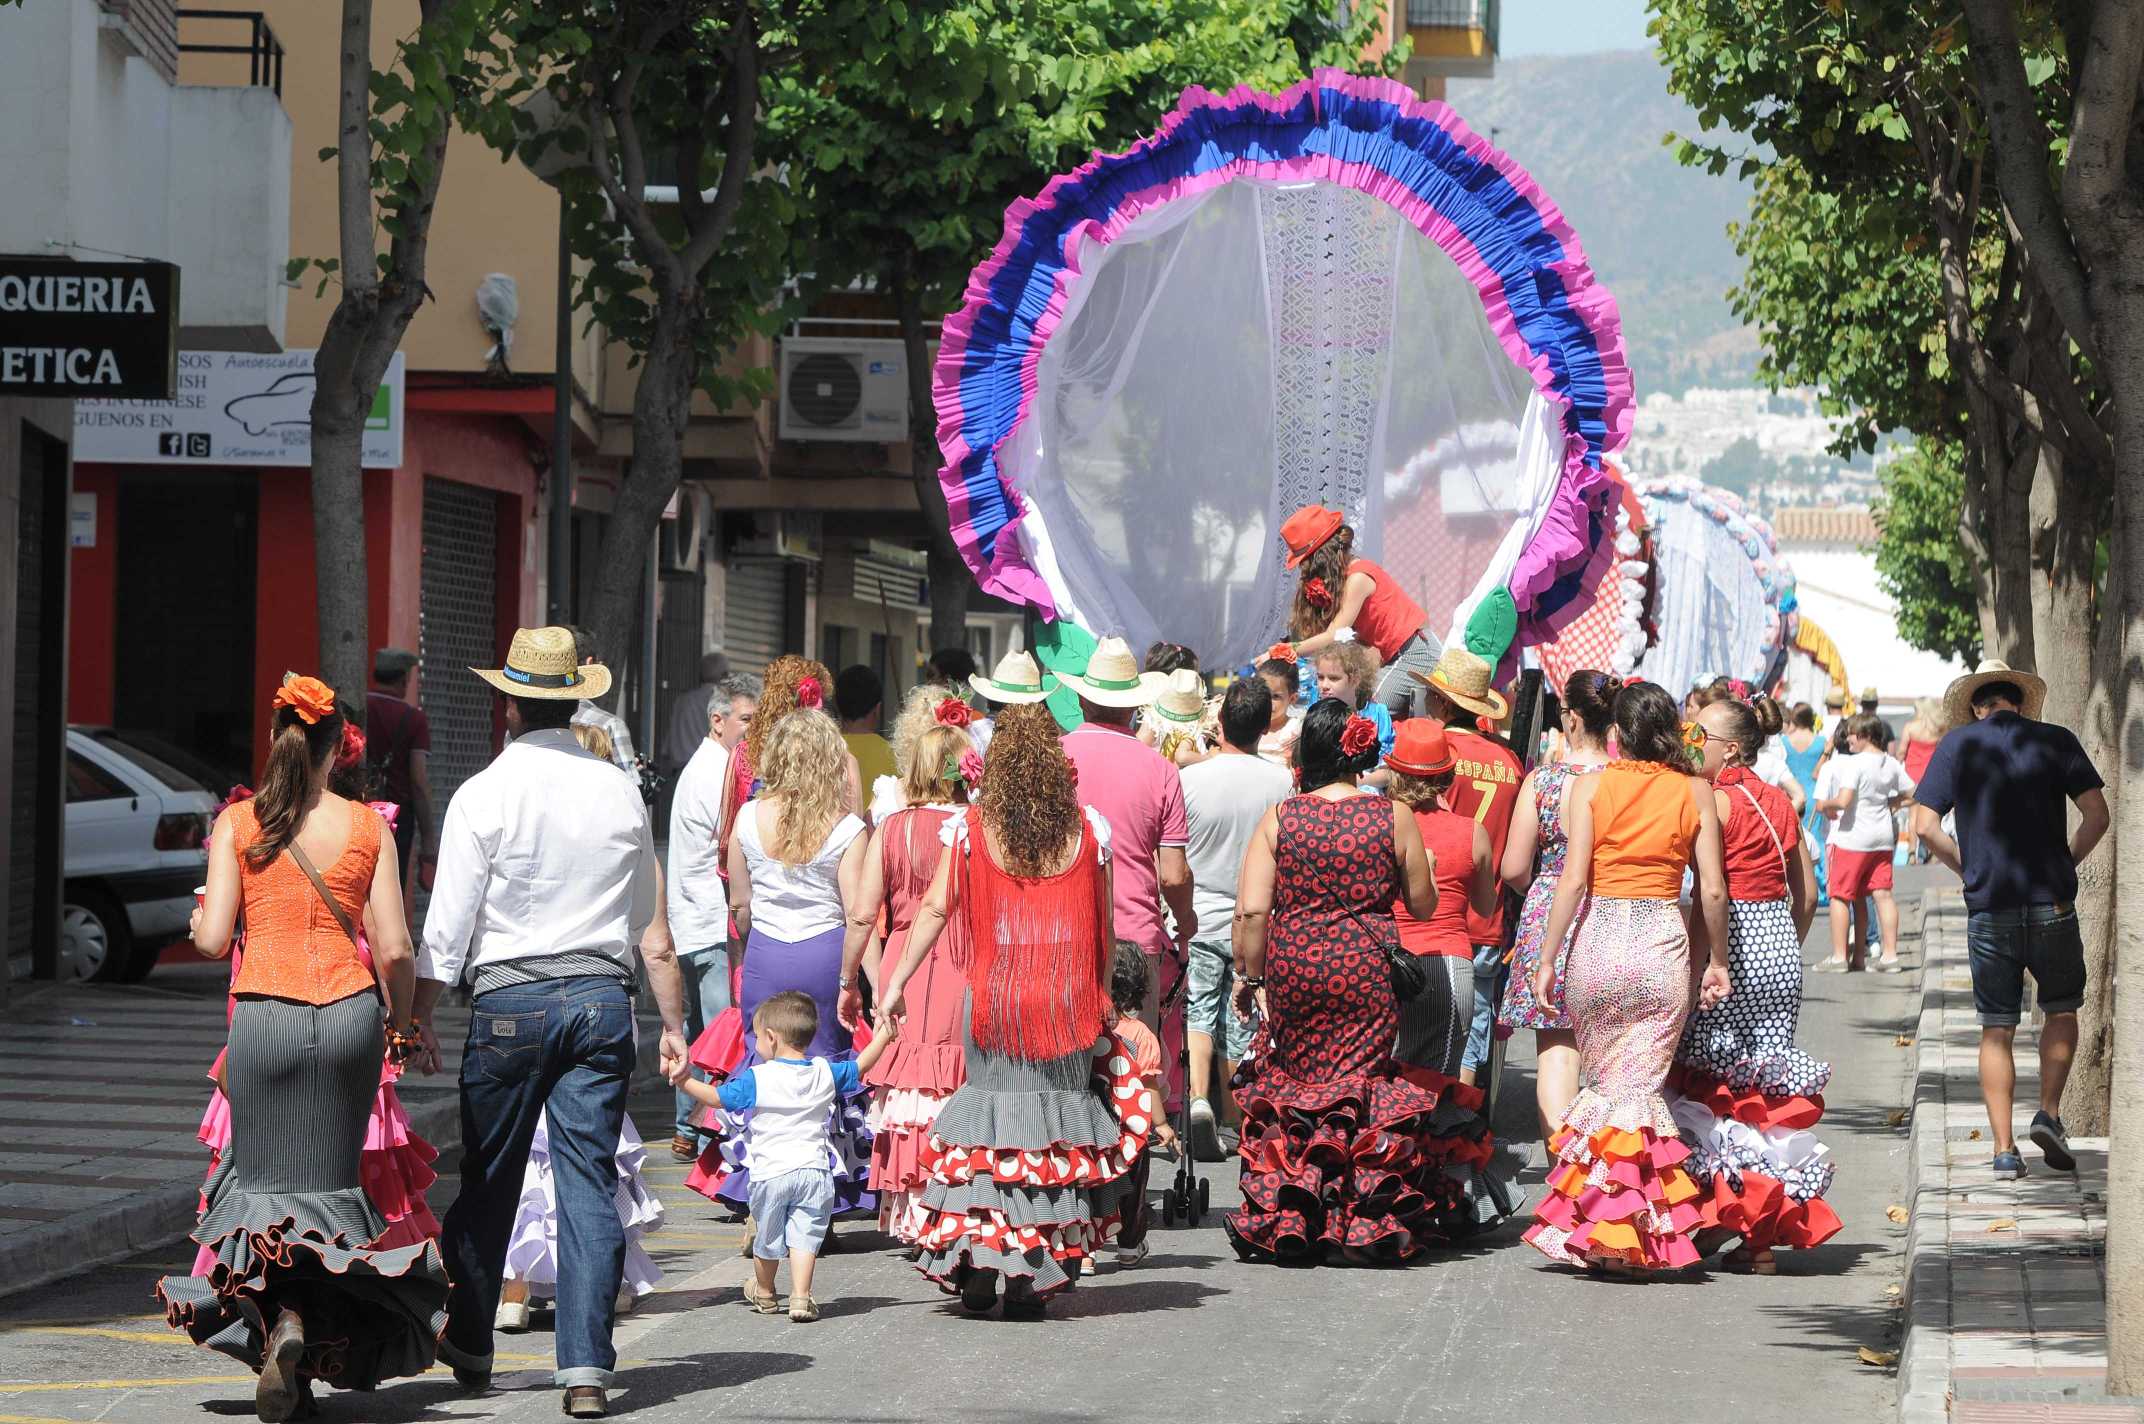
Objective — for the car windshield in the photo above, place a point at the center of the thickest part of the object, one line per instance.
(159, 758)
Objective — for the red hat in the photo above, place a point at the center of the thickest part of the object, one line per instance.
(1307, 529)
(1420, 748)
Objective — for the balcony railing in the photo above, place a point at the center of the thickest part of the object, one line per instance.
(1454, 15)
(263, 51)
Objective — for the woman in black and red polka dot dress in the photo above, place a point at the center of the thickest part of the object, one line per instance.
(1338, 1154)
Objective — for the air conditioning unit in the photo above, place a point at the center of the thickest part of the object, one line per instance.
(682, 534)
(786, 534)
(842, 389)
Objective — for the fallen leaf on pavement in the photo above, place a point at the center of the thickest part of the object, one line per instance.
(1902, 1041)
(1891, 1289)
(1973, 1136)
(1883, 1359)
(1897, 1213)
(1896, 1117)
(2003, 1223)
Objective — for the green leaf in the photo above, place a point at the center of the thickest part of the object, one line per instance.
(2039, 68)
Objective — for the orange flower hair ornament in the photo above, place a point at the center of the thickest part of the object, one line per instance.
(309, 697)
(1280, 653)
(1693, 741)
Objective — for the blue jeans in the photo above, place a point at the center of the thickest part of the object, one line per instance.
(2003, 946)
(707, 994)
(562, 1047)
(1489, 969)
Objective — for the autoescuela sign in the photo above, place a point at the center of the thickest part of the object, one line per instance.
(108, 329)
(233, 408)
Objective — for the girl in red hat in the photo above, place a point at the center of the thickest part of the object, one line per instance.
(1340, 598)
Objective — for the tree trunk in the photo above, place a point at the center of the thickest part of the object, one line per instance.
(950, 577)
(662, 408)
(2085, 1101)
(338, 494)
(2062, 539)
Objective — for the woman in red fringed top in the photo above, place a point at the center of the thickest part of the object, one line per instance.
(1746, 1097)
(1024, 1173)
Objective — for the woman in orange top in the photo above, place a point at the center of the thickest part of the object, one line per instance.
(1341, 599)
(1635, 827)
(297, 1291)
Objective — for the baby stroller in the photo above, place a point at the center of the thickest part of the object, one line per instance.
(1184, 1199)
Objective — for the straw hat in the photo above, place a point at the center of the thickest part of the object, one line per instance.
(1015, 680)
(1183, 698)
(1113, 679)
(1958, 697)
(542, 663)
(1306, 530)
(1420, 748)
(1464, 678)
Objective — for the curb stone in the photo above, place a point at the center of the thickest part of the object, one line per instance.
(1924, 1367)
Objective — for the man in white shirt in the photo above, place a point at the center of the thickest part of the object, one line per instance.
(547, 884)
(1225, 797)
(698, 899)
(1858, 792)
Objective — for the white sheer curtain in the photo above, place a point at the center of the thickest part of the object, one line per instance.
(1236, 354)
(1711, 610)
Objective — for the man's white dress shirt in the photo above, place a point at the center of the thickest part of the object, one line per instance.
(546, 869)
(699, 902)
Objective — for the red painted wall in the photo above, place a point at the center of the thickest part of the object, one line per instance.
(92, 598)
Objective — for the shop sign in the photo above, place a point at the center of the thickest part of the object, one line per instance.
(75, 329)
(233, 408)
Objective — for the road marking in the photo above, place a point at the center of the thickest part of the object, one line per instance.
(35, 1419)
(124, 1383)
(154, 1337)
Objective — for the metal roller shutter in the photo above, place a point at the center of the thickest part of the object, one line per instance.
(458, 629)
(755, 614)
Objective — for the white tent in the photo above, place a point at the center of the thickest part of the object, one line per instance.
(1838, 589)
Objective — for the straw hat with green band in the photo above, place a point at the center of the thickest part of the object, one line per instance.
(1182, 699)
(1113, 678)
(1014, 681)
(542, 663)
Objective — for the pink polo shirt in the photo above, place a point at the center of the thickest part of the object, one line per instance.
(1138, 793)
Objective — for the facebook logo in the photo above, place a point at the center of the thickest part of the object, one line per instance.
(183, 445)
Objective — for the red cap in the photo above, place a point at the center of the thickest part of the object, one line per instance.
(1307, 529)
(1420, 748)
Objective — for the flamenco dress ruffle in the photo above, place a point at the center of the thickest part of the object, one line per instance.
(532, 1248)
(396, 1167)
(1764, 1173)
(1617, 1189)
(1025, 1169)
(372, 1312)
(1378, 1164)
(912, 1084)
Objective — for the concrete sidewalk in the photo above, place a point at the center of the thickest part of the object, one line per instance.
(102, 1087)
(2005, 1280)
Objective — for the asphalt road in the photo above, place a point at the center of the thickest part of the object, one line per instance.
(1488, 1333)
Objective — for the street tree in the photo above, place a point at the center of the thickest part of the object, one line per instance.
(910, 144)
(648, 113)
(1921, 562)
(390, 153)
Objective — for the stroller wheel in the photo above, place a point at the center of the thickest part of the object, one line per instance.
(1202, 1199)
(1172, 1207)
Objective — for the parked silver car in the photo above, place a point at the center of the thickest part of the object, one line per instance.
(137, 827)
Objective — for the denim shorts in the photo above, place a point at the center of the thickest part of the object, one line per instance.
(1208, 1009)
(1489, 968)
(791, 1212)
(2004, 945)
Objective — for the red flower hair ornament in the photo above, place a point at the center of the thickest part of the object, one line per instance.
(971, 767)
(308, 697)
(353, 747)
(1358, 736)
(1316, 594)
(809, 693)
(952, 712)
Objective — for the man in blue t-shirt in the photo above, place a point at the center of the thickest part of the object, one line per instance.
(2007, 775)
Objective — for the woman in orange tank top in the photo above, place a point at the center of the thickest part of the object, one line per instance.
(297, 1289)
(1635, 827)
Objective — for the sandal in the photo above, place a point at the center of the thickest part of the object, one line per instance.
(1752, 1263)
(769, 1303)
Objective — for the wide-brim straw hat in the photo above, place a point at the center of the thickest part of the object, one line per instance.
(1958, 697)
(1113, 678)
(1464, 678)
(1183, 698)
(542, 663)
(1016, 680)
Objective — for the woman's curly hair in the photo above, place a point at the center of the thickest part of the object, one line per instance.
(806, 766)
(1029, 802)
(1328, 564)
(918, 714)
(778, 698)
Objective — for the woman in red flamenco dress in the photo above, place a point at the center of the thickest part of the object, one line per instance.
(1339, 1156)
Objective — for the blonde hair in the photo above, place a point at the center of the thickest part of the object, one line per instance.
(1416, 792)
(1928, 718)
(807, 767)
(595, 739)
(934, 765)
(919, 713)
(1357, 664)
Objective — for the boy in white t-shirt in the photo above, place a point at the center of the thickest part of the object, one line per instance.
(1858, 793)
(787, 1144)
